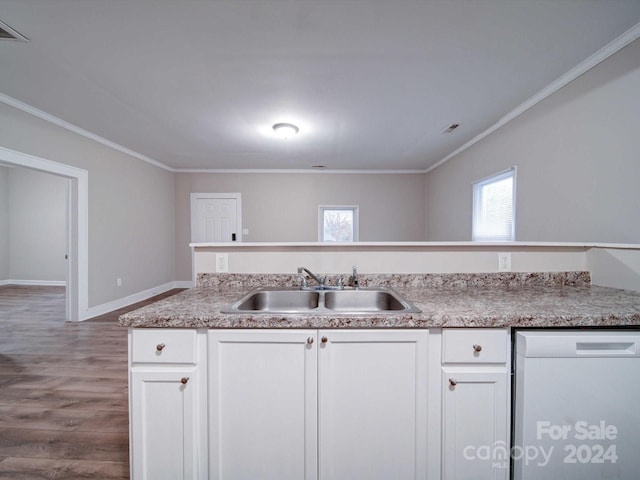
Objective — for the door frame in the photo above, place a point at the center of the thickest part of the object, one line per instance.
(77, 213)
(216, 196)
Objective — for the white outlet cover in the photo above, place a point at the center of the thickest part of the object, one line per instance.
(222, 262)
(504, 262)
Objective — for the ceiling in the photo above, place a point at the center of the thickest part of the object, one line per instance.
(370, 83)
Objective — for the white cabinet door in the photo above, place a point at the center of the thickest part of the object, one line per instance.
(373, 405)
(475, 422)
(163, 430)
(263, 404)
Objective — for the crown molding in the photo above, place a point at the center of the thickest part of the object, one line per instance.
(605, 52)
(298, 170)
(584, 66)
(26, 108)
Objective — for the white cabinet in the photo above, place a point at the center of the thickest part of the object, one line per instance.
(373, 404)
(333, 404)
(475, 404)
(164, 422)
(163, 432)
(341, 404)
(262, 404)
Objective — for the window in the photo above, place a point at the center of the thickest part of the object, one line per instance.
(494, 208)
(338, 223)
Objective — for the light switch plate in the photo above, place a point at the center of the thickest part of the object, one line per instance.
(222, 262)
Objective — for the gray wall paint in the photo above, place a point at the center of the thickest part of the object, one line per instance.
(279, 207)
(4, 224)
(131, 209)
(37, 225)
(577, 181)
(577, 158)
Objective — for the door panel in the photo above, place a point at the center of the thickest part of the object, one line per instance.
(163, 430)
(475, 423)
(263, 405)
(214, 219)
(373, 405)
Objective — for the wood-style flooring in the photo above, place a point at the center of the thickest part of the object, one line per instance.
(63, 389)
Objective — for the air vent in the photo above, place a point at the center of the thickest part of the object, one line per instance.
(8, 33)
(451, 128)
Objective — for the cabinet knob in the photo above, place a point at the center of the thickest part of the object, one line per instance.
(477, 348)
(310, 340)
(453, 382)
(160, 347)
(324, 339)
(184, 380)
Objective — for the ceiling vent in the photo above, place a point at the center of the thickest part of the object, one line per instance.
(8, 33)
(451, 128)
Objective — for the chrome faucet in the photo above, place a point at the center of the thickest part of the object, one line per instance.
(356, 283)
(321, 280)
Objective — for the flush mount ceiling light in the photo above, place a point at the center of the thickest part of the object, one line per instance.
(285, 130)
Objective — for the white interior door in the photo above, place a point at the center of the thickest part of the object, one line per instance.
(215, 217)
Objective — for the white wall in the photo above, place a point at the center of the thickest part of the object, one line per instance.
(577, 154)
(4, 224)
(615, 267)
(131, 209)
(337, 259)
(37, 225)
(284, 206)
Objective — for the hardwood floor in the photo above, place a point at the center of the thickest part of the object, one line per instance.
(63, 389)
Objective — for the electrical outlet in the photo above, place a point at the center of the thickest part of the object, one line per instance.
(222, 262)
(504, 262)
(118, 282)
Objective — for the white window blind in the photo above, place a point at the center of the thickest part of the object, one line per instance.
(494, 208)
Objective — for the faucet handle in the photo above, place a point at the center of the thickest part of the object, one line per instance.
(303, 281)
(341, 283)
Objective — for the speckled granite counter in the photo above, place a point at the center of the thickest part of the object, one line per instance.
(452, 300)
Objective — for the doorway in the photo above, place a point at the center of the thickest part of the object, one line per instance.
(216, 217)
(76, 298)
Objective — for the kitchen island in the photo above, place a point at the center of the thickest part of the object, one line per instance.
(559, 299)
(341, 396)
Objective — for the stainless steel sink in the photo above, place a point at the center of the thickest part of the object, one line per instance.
(271, 300)
(322, 302)
(364, 301)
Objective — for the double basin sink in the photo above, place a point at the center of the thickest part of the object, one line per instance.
(322, 302)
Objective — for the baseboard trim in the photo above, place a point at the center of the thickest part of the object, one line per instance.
(134, 298)
(40, 283)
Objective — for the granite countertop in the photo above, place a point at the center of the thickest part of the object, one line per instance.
(450, 300)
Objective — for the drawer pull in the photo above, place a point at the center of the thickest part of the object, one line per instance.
(160, 347)
(324, 339)
(453, 382)
(184, 380)
(477, 348)
(310, 340)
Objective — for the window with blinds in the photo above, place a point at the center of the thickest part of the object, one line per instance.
(494, 208)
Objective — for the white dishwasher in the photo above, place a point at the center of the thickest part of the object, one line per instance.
(577, 405)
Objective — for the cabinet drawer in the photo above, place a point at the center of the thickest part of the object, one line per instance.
(163, 345)
(474, 345)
